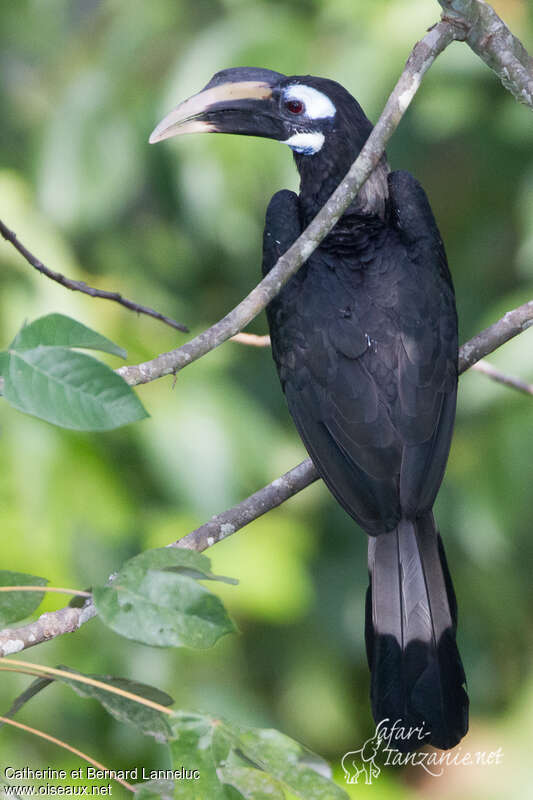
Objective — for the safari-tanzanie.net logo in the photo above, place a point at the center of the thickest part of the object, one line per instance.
(387, 748)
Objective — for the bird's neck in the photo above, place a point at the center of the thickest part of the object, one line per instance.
(319, 179)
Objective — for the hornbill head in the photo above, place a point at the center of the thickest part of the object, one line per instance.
(316, 117)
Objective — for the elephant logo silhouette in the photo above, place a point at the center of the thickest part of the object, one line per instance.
(362, 762)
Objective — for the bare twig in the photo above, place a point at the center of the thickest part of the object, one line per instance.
(500, 377)
(485, 342)
(422, 57)
(492, 41)
(81, 286)
(223, 525)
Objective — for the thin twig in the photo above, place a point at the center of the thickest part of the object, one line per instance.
(500, 377)
(267, 498)
(422, 57)
(81, 286)
(65, 746)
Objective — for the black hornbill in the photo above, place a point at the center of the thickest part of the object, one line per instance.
(364, 337)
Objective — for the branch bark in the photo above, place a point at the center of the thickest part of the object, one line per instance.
(493, 42)
(485, 342)
(274, 494)
(45, 627)
(80, 286)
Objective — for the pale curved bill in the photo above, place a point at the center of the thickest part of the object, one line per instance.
(182, 119)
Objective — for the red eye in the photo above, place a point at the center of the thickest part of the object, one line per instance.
(294, 106)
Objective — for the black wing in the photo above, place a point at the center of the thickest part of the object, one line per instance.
(282, 227)
(365, 341)
(435, 367)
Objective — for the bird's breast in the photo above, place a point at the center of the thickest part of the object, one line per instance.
(353, 306)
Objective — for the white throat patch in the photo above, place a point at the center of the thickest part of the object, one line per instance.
(317, 104)
(306, 143)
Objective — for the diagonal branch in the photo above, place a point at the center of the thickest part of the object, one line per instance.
(269, 497)
(67, 620)
(80, 286)
(48, 626)
(421, 58)
(493, 42)
(511, 324)
(500, 377)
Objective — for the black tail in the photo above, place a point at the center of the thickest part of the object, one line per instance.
(411, 620)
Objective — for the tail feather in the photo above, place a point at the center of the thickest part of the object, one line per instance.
(417, 674)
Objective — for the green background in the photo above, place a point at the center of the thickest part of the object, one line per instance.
(178, 226)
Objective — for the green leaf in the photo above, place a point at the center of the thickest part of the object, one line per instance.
(4, 358)
(180, 560)
(24, 697)
(155, 600)
(193, 749)
(235, 761)
(302, 771)
(148, 720)
(15, 606)
(57, 330)
(69, 389)
(154, 790)
(251, 783)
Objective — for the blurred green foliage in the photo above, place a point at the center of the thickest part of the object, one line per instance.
(178, 226)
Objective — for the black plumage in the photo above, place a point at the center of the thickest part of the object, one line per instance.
(364, 337)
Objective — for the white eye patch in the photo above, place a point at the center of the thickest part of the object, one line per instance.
(317, 104)
(306, 143)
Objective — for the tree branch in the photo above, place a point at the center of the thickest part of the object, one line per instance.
(500, 377)
(45, 627)
(81, 286)
(421, 58)
(267, 498)
(493, 42)
(511, 324)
